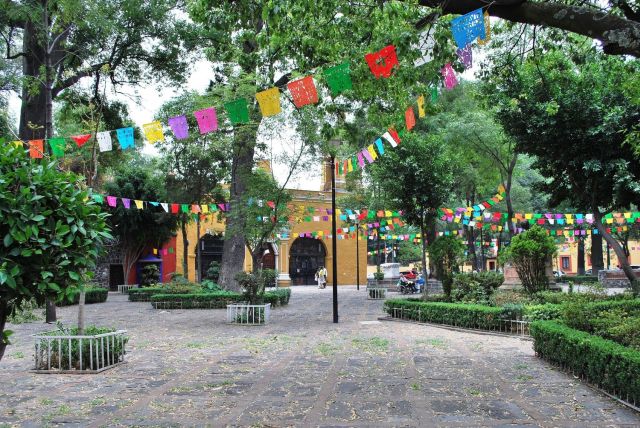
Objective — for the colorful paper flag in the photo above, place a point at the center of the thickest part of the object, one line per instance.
(380, 146)
(153, 132)
(381, 63)
(421, 112)
(139, 204)
(468, 27)
(410, 118)
(269, 102)
(57, 146)
(434, 94)
(367, 155)
(179, 126)
(126, 202)
(36, 149)
(125, 138)
(360, 160)
(112, 201)
(80, 140)
(207, 120)
(338, 78)
(487, 30)
(303, 91)
(349, 165)
(238, 111)
(17, 143)
(104, 141)
(465, 56)
(449, 76)
(372, 152)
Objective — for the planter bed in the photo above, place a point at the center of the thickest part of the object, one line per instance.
(454, 314)
(610, 366)
(97, 350)
(376, 292)
(91, 295)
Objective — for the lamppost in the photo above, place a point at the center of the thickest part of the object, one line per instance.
(332, 150)
(358, 255)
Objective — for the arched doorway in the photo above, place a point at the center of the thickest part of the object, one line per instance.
(211, 247)
(268, 256)
(305, 257)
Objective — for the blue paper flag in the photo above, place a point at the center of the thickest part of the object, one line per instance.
(125, 137)
(467, 28)
(380, 146)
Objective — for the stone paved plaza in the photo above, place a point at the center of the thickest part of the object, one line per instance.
(189, 368)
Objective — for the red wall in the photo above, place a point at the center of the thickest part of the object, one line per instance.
(168, 261)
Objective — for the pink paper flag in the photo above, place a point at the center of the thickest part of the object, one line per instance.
(367, 155)
(360, 160)
(207, 120)
(179, 127)
(111, 201)
(449, 75)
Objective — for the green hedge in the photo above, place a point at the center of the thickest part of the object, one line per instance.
(215, 300)
(613, 367)
(458, 314)
(548, 311)
(144, 294)
(582, 279)
(91, 295)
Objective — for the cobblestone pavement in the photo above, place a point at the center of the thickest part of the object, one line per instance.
(189, 368)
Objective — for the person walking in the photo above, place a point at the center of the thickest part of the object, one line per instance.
(321, 277)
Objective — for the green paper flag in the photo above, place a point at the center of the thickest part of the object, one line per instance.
(434, 94)
(185, 208)
(238, 111)
(98, 198)
(354, 161)
(338, 78)
(57, 146)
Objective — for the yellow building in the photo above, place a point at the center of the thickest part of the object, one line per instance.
(295, 258)
(567, 256)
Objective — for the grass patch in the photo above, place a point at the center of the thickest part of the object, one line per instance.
(474, 391)
(98, 401)
(17, 355)
(195, 345)
(524, 378)
(326, 349)
(521, 366)
(46, 401)
(373, 344)
(415, 386)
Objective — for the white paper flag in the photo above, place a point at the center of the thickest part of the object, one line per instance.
(104, 141)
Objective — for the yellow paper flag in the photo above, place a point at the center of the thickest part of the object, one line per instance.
(17, 143)
(350, 165)
(153, 132)
(139, 204)
(372, 152)
(269, 101)
(487, 30)
(421, 112)
(501, 188)
(205, 208)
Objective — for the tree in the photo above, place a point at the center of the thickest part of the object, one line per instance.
(418, 177)
(616, 24)
(62, 42)
(447, 253)
(197, 165)
(51, 233)
(136, 229)
(574, 118)
(530, 252)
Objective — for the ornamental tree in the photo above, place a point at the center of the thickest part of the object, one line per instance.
(530, 253)
(51, 233)
(447, 253)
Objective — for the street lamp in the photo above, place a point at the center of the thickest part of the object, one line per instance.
(358, 255)
(333, 144)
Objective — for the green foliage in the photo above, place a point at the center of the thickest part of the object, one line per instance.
(91, 295)
(208, 286)
(51, 231)
(60, 355)
(512, 311)
(461, 315)
(25, 313)
(475, 287)
(252, 286)
(150, 275)
(504, 297)
(213, 271)
(446, 253)
(530, 252)
(619, 326)
(584, 279)
(217, 299)
(582, 316)
(611, 366)
(548, 311)
(378, 275)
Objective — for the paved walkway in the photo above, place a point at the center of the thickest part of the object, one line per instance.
(188, 368)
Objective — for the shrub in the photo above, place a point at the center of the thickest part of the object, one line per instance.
(208, 285)
(547, 311)
(378, 275)
(279, 297)
(150, 275)
(580, 316)
(25, 313)
(512, 311)
(609, 365)
(447, 252)
(503, 297)
(529, 253)
(213, 271)
(435, 298)
(269, 277)
(91, 295)
(583, 279)
(144, 294)
(461, 315)
(475, 287)
(252, 286)
(216, 300)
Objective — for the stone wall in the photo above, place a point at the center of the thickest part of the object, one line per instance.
(615, 278)
(112, 255)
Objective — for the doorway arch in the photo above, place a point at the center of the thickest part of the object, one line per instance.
(305, 257)
(211, 247)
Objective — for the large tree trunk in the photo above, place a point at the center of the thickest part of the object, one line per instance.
(507, 197)
(33, 110)
(581, 269)
(597, 258)
(622, 259)
(4, 313)
(471, 245)
(234, 243)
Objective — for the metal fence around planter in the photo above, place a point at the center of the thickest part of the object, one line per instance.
(124, 288)
(248, 314)
(79, 354)
(515, 327)
(376, 293)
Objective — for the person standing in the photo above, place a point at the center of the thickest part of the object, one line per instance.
(321, 277)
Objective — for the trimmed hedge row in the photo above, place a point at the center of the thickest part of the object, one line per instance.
(215, 300)
(611, 366)
(91, 295)
(458, 314)
(144, 294)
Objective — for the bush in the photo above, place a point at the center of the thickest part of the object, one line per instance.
(213, 271)
(583, 279)
(25, 313)
(581, 316)
(607, 364)
(216, 300)
(378, 275)
(252, 286)
(547, 311)
(279, 297)
(512, 311)
(91, 295)
(208, 285)
(150, 275)
(530, 253)
(144, 294)
(435, 298)
(504, 297)
(461, 315)
(269, 277)
(446, 252)
(475, 287)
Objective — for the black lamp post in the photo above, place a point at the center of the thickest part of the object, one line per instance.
(358, 255)
(334, 244)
